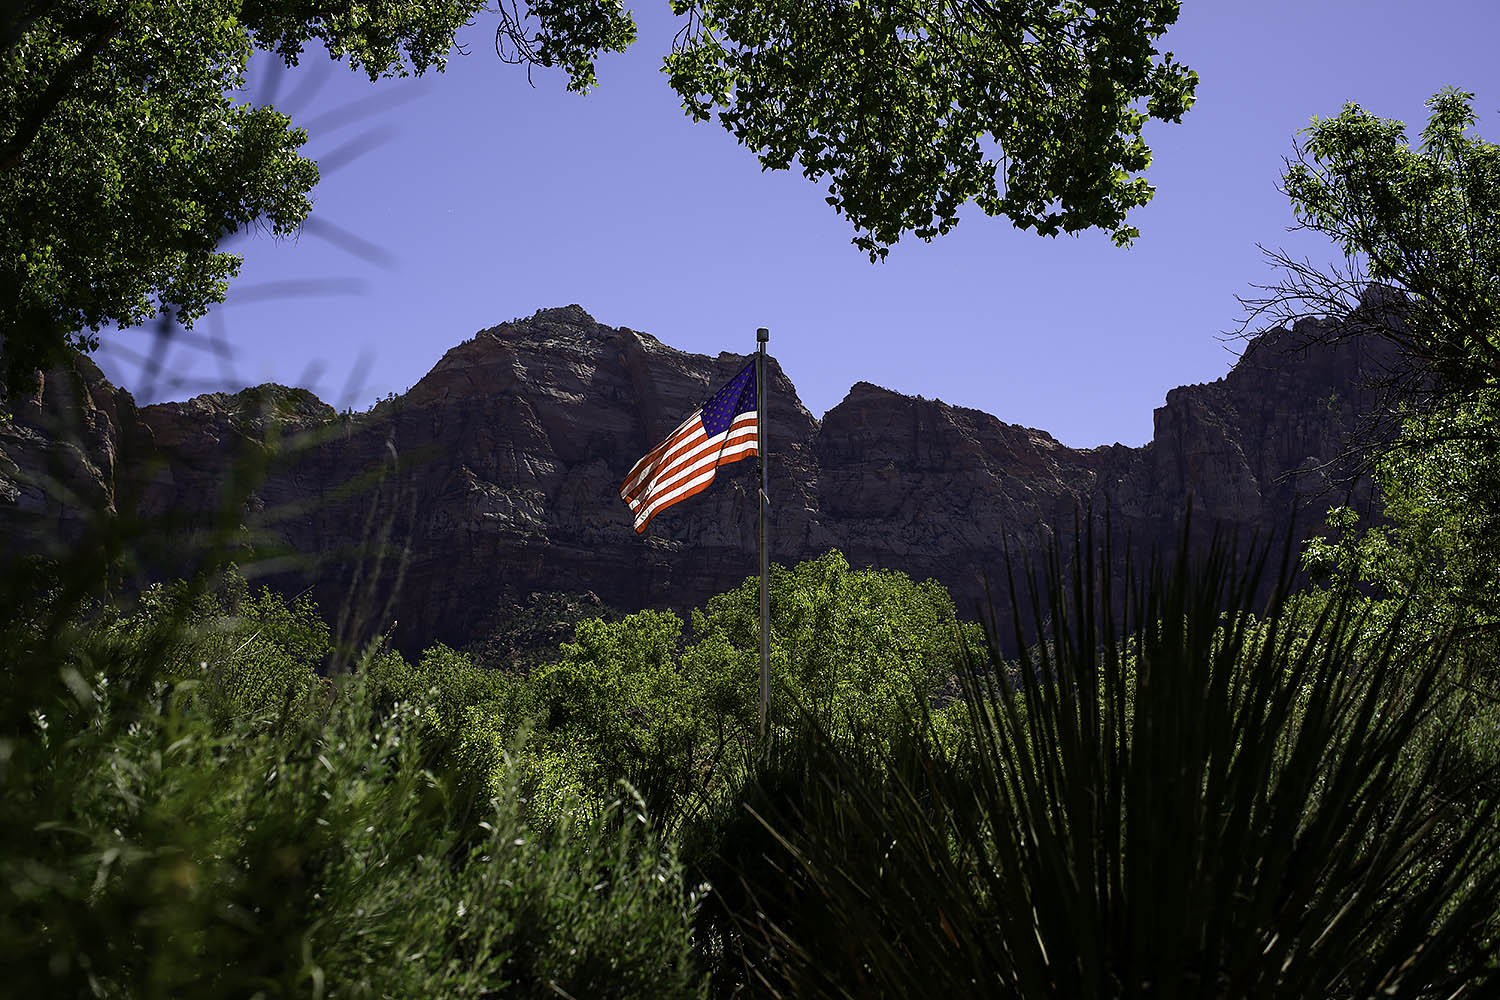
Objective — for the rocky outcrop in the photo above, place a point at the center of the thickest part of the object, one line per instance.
(60, 455)
(496, 476)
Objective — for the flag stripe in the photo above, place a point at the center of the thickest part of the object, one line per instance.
(702, 451)
(693, 454)
(724, 429)
(663, 463)
(684, 430)
(691, 470)
(700, 484)
(647, 505)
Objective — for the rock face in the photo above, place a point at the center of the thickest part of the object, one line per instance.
(495, 478)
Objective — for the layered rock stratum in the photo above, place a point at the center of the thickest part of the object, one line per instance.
(490, 488)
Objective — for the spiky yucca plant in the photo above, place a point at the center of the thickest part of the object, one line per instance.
(1168, 796)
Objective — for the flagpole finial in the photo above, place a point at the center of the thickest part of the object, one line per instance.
(762, 335)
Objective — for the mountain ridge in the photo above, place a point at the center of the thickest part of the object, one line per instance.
(497, 473)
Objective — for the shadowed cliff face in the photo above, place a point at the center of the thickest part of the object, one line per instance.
(496, 476)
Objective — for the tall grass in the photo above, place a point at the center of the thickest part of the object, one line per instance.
(204, 793)
(194, 839)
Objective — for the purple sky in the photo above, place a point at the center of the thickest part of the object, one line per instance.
(493, 199)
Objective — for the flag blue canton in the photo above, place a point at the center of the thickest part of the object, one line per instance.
(737, 397)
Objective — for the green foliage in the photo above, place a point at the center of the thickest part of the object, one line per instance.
(154, 845)
(1219, 813)
(385, 38)
(616, 705)
(1256, 805)
(896, 104)
(1427, 221)
(1428, 574)
(249, 657)
(864, 649)
(124, 163)
(468, 717)
(866, 645)
(124, 158)
(676, 718)
(572, 33)
(1433, 567)
(444, 679)
(1440, 550)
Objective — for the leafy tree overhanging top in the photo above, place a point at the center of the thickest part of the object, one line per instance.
(123, 163)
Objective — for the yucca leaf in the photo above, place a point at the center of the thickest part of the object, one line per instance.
(1174, 792)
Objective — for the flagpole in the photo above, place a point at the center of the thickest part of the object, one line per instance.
(761, 336)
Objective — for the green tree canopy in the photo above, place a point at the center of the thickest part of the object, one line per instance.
(124, 161)
(640, 700)
(910, 109)
(1424, 222)
(1435, 557)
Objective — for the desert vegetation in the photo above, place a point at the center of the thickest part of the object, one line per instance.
(1245, 770)
(1174, 785)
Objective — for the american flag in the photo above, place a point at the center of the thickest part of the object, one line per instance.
(722, 431)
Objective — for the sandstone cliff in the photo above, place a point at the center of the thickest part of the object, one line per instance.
(494, 478)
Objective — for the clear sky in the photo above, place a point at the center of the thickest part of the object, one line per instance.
(475, 199)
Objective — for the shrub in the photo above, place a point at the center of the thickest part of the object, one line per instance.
(156, 846)
(673, 716)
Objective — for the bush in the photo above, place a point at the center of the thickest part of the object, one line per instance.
(637, 701)
(160, 839)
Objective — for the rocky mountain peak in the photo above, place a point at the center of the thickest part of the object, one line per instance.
(501, 468)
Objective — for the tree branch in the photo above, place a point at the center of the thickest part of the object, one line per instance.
(12, 152)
